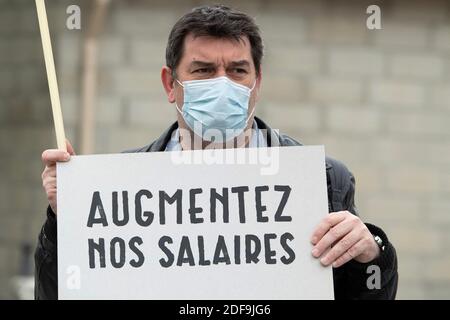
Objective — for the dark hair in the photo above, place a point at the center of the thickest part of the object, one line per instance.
(216, 21)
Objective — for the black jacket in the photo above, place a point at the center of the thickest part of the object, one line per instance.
(350, 280)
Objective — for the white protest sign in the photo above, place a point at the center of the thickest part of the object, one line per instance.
(143, 226)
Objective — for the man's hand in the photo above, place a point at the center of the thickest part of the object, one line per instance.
(49, 158)
(349, 238)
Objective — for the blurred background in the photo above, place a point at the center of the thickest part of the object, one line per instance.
(379, 100)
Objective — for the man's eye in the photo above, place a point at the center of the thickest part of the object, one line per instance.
(202, 70)
(240, 70)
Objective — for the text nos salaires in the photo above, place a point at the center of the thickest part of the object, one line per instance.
(190, 251)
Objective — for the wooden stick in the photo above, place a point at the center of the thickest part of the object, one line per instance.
(51, 75)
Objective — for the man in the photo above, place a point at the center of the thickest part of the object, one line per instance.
(213, 76)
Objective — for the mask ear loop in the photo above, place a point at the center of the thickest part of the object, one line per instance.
(176, 105)
(251, 113)
(179, 83)
(253, 87)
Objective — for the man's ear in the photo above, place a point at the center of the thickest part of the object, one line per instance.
(168, 83)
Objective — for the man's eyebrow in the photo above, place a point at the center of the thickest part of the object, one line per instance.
(240, 63)
(202, 64)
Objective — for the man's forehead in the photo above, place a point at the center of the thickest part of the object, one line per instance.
(208, 48)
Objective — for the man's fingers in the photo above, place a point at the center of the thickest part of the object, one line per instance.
(341, 247)
(326, 224)
(51, 156)
(334, 234)
(351, 253)
(49, 171)
(52, 172)
(51, 192)
(70, 148)
(49, 182)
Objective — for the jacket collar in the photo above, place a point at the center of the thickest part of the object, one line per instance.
(280, 139)
(160, 144)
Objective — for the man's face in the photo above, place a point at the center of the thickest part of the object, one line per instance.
(207, 57)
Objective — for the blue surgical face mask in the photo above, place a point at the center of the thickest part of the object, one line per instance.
(215, 108)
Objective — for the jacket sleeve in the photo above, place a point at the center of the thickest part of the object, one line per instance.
(356, 280)
(46, 271)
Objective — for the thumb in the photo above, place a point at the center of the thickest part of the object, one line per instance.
(70, 148)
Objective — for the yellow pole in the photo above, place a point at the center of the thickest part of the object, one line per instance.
(51, 75)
